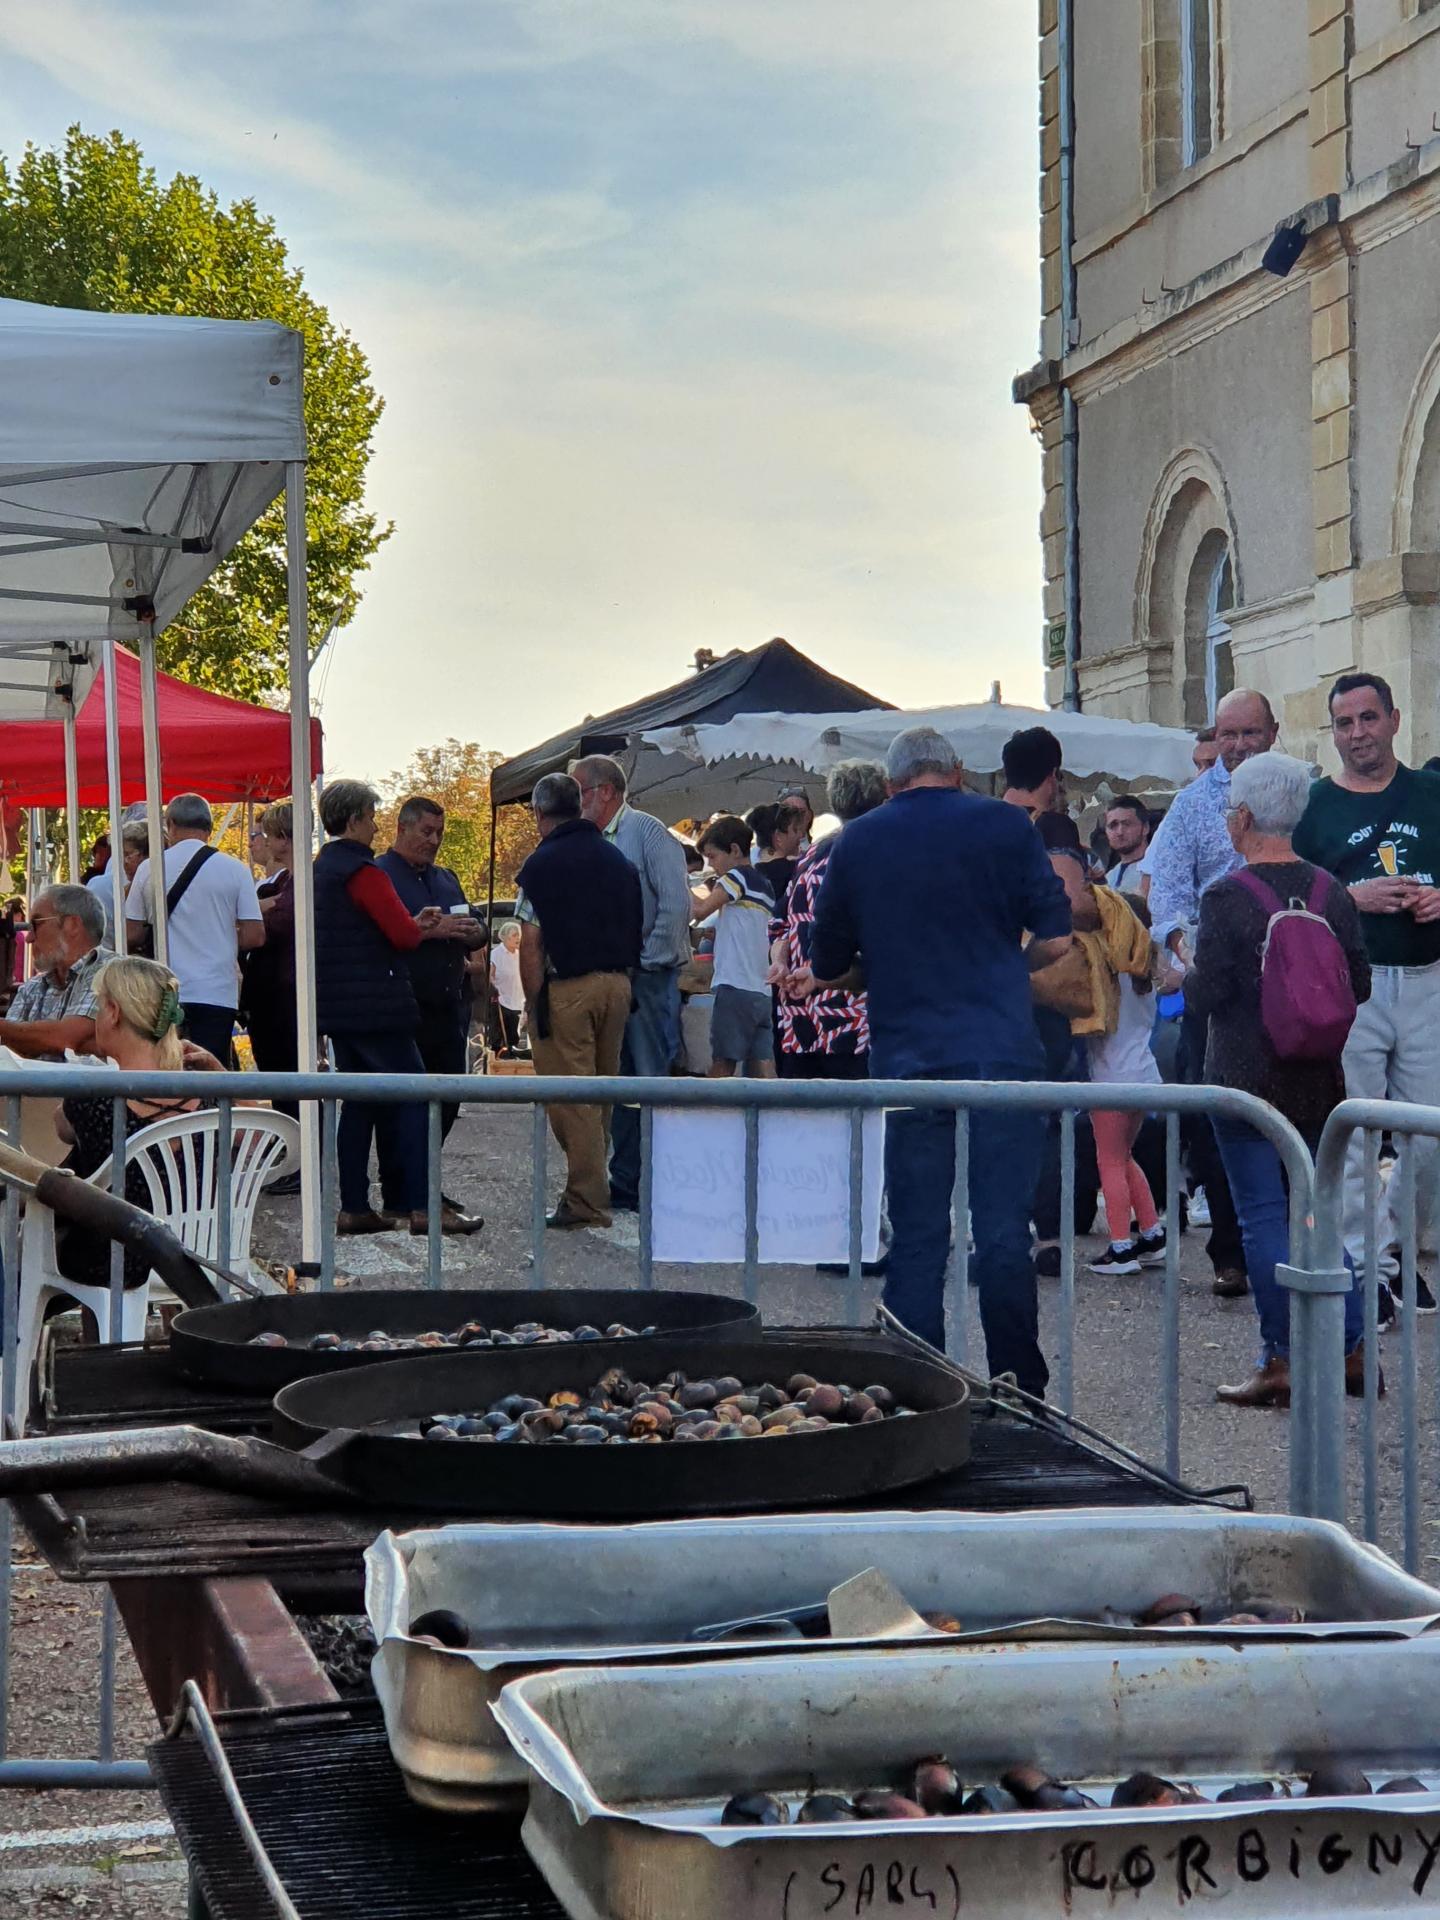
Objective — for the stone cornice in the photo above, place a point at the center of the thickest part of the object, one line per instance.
(1401, 196)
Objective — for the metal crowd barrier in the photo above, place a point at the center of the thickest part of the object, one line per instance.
(1360, 1124)
(1314, 1303)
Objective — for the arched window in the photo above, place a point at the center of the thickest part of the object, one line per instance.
(1187, 590)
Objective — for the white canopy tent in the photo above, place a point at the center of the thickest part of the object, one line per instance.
(753, 747)
(135, 450)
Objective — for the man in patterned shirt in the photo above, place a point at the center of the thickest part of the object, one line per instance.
(1192, 848)
(54, 1011)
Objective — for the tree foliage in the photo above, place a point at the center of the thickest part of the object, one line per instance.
(457, 775)
(89, 225)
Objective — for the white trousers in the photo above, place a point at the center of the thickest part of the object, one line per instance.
(1393, 1053)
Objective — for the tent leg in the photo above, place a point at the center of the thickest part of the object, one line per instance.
(300, 800)
(72, 798)
(485, 988)
(32, 880)
(112, 774)
(154, 825)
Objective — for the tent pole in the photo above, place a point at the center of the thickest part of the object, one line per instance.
(72, 796)
(112, 773)
(30, 879)
(154, 825)
(485, 987)
(300, 800)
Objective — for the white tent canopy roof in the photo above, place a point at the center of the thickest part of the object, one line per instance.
(135, 450)
(1094, 745)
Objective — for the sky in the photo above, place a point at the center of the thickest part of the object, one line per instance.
(695, 322)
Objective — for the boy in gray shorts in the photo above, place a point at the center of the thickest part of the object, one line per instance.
(740, 1030)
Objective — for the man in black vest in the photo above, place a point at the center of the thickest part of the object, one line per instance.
(437, 968)
(581, 913)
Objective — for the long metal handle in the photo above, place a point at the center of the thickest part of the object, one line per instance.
(193, 1712)
(131, 1457)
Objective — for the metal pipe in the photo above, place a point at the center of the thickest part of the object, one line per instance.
(154, 823)
(957, 1287)
(72, 797)
(1069, 411)
(117, 805)
(75, 1773)
(1067, 1261)
(307, 1037)
(1170, 1326)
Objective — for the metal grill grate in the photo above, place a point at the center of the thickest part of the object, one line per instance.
(328, 1807)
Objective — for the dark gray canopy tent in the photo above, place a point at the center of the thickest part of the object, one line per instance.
(775, 678)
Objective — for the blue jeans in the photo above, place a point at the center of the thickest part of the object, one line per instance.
(399, 1131)
(652, 1040)
(1262, 1201)
(920, 1176)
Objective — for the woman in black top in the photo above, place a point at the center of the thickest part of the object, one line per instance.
(137, 1018)
(779, 832)
(1268, 795)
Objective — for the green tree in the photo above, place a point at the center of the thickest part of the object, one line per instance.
(89, 225)
(457, 775)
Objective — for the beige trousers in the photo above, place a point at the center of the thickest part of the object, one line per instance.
(587, 1026)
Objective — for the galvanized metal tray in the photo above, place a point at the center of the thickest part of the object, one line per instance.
(633, 1764)
(538, 1596)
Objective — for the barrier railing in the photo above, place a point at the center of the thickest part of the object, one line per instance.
(1316, 1378)
(1354, 1133)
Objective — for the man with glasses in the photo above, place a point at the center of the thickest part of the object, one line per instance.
(1191, 849)
(54, 1011)
(652, 1033)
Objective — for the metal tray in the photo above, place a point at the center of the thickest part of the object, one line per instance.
(541, 1596)
(632, 1766)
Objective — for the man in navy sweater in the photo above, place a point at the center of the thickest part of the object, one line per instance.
(932, 895)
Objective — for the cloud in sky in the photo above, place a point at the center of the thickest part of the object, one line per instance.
(695, 321)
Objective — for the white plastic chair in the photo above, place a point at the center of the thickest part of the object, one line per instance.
(179, 1158)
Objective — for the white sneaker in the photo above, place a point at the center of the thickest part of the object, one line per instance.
(1198, 1211)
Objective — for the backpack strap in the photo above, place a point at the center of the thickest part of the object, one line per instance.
(1319, 894)
(182, 886)
(1258, 890)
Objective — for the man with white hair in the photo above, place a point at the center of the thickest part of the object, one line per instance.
(933, 894)
(1191, 848)
(652, 1032)
(212, 915)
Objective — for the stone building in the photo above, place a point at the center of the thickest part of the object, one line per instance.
(1242, 463)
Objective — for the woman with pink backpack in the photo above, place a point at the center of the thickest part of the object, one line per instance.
(1280, 967)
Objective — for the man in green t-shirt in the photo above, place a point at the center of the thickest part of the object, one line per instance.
(1376, 826)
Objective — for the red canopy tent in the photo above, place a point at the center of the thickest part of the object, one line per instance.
(210, 744)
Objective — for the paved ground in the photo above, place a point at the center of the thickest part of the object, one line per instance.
(1117, 1387)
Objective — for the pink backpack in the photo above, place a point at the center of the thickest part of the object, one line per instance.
(1307, 1003)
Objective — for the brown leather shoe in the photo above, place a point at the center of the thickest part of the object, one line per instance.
(451, 1221)
(1268, 1386)
(1230, 1283)
(1355, 1375)
(368, 1222)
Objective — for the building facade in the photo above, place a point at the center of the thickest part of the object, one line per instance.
(1242, 463)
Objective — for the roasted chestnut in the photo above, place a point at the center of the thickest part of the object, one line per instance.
(936, 1787)
(878, 1804)
(1167, 1606)
(825, 1403)
(991, 1800)
(822, 1808)
(269, 1339)
(755, 1810)
(441, 1624)
(1146, 1790)
(1248, 1790)
(1025, 1783)
(1336, 1777)
(1406, 1783)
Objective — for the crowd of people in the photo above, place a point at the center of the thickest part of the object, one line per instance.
(1275, 933)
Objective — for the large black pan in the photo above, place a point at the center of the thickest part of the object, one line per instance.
(210, 1344)
(344, 1425)
(387, 1468)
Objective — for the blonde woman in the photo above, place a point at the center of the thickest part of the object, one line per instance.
(137, 1020)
